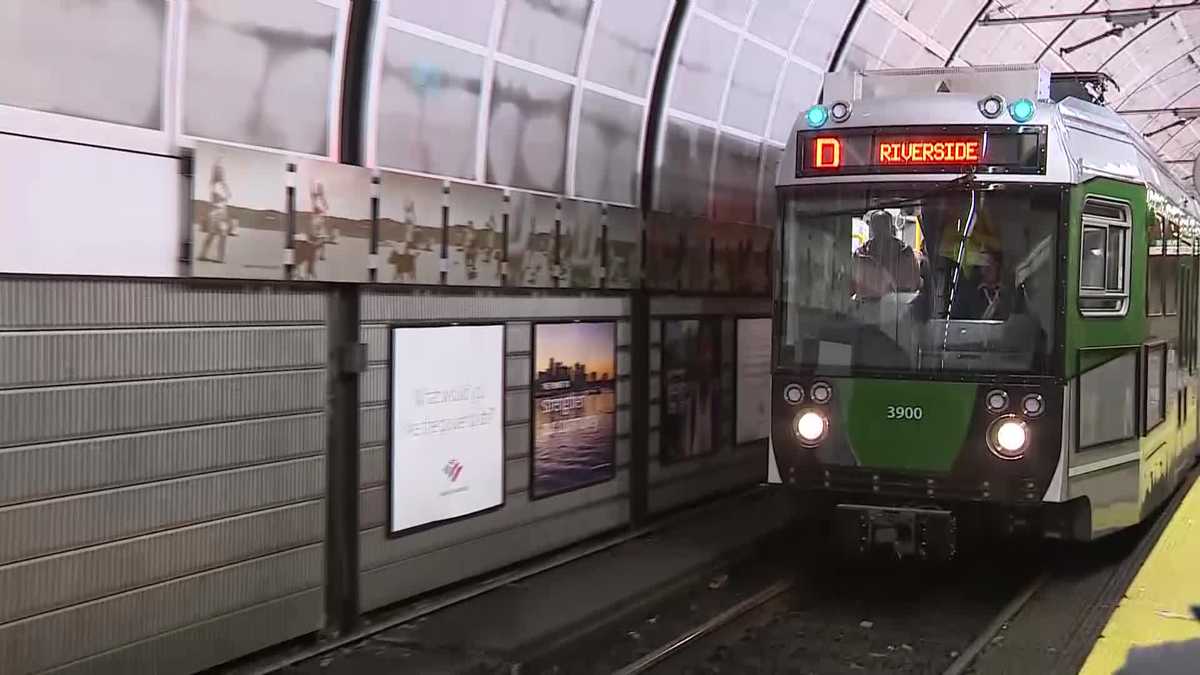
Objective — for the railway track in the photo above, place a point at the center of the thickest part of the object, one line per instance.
(686, 651)
(753, 634)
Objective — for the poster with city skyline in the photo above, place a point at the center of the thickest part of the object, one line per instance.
(574, 406)
(691, 381)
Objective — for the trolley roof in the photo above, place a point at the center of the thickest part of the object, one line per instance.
(1082, 140)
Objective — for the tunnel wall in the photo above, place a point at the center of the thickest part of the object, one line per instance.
(730, 466)
(173, 456)
(162, 472)
(394, 569)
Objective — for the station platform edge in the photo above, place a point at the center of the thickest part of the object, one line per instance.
(1155, 627)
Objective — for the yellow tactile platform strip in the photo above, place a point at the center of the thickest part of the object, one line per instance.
(1153, 626)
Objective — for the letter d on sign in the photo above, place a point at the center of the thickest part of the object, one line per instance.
(827, 153)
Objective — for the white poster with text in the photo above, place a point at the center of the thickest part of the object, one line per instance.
(447, 454)
(753, 379)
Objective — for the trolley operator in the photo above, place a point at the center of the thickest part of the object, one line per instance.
(884, 264)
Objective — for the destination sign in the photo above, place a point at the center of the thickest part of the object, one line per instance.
(1020, 150)
(942, 151)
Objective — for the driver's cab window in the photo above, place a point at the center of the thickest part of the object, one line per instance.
(1104, 258)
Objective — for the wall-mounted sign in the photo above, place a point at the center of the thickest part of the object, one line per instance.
(447, 423)
(574, 406)
(753, 418)
(691, 377)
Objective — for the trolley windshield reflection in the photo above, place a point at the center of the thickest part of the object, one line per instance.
(928, 279)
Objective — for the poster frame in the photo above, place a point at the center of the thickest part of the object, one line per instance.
(718, 445)
(391, 532)
(533, 328)
(736, 390)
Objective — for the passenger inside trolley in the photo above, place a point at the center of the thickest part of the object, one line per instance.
(884, 264)
(978, 296)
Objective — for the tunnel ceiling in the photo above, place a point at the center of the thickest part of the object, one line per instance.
(1152, 54)
(557, 96)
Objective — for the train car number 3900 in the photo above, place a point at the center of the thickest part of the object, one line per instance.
(905, 412)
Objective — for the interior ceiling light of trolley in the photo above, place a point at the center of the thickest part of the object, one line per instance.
(1125, 18)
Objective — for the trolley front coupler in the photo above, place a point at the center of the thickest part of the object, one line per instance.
(922, 533)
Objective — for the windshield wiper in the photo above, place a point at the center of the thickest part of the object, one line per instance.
(965, 182)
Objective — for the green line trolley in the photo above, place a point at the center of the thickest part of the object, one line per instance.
(985, 312)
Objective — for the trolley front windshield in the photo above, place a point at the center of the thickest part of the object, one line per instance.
(919, 279)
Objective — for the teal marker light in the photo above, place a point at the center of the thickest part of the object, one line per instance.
(1021, 110)
(817, 116)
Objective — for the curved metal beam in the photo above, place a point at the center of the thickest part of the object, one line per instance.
(1135, 39)
(1177, 99)
(1050, 44)
(657, 104)
(844, 42)
(1129, 12)
(1186, 123)
(1155, 74)
(962, 39)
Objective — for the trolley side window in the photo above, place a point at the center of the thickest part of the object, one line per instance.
(1104, 258)
(1155, 273)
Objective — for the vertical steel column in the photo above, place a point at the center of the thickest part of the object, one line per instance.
(354, 82)
(347, 360)
(639, 319)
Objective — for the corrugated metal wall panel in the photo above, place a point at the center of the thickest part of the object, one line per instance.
(192, 649)
(372, 467)
(417, 574)
(522, 528)
(700, 484)
(61, 413)
(60, 304)
(55, 581)
(57, 638)
(49, 526)
(162, 471)
(36, 358)
(372, 425)
(43, 471)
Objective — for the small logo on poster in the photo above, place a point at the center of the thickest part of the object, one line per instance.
(452, 469)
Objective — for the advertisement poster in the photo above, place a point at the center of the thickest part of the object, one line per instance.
(581, 244)
(531, 240)
(447, 425)
(333, 221)
(476, 238)
(239, 213)
(691, 376)
(410, 229)
(574, 406)
(753, 380)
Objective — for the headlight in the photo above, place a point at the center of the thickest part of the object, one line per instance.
(992, 106)
(997, 401)
(811, 427)
(840, 111)
(1007, 438)
(1033, 405)
(821, 392)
